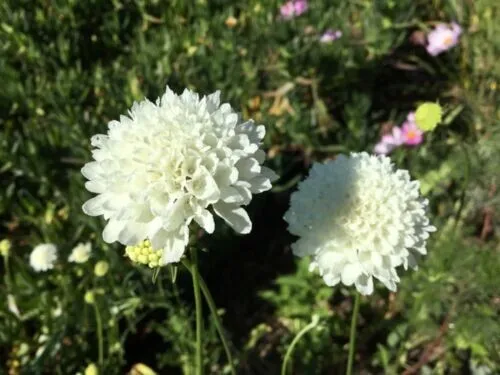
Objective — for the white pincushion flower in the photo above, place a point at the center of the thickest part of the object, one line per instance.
(80, 253)
(43, 257)
(172, 162)
(359, 218)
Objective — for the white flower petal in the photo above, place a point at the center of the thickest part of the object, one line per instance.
(94, 206)
(364, 284)
(92, 170)
(260, 184)
(350, 273)
(248, 168)
(95, 186)
(175, 246)
(230, 194)
(112, 230)
(269, 173)
(203, 186)
(236, 217)
(132, 233)
(174, 214)
(159, 239)
(205, 220)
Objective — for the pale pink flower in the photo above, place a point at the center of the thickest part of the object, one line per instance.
(389, 141)
(408, 134)
(412, 135)
(411, 117)
(287, 10)
(330, 36)
(293, 8)
(442, 38)
(382, 148)
(300, 6)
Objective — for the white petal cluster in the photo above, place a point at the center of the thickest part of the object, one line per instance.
(43, 257)
(80, 253)
(359, 219)
(171, 162)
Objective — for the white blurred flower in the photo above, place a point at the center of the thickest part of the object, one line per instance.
(359, 218)
(43, 257)
(172, 162)
(40, 351)
(80, 253)
(330, 35)
(57, 312)
(42, 339)
(12, 305)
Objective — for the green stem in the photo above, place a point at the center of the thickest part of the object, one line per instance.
(467, 169)
(215, 315)
(289, 352)
(197, 301)
(7, 277)
(352, 335)
(100, 341)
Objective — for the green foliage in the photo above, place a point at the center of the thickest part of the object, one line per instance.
(69, 67)
(300, 294)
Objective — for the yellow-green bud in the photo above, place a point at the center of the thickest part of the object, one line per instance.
(101, 268)
(428, 116)
(141, 369)
(143, 253)
(5, 246)
(92, 369)
(89, 297)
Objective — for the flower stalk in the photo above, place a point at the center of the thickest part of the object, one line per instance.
(288, 355)
(199, 317)
(352, 334)
(100, 340)
(215, 315)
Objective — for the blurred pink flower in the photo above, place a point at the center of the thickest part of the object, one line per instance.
(382, 148)
(412, 135)
(411, 117)
(389, 141)
(330, 35)
(300, 6)
(442, 38)
(293, 8)
(287, 10)
(408, 134)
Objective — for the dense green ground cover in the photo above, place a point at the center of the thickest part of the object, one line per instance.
(69, 67)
